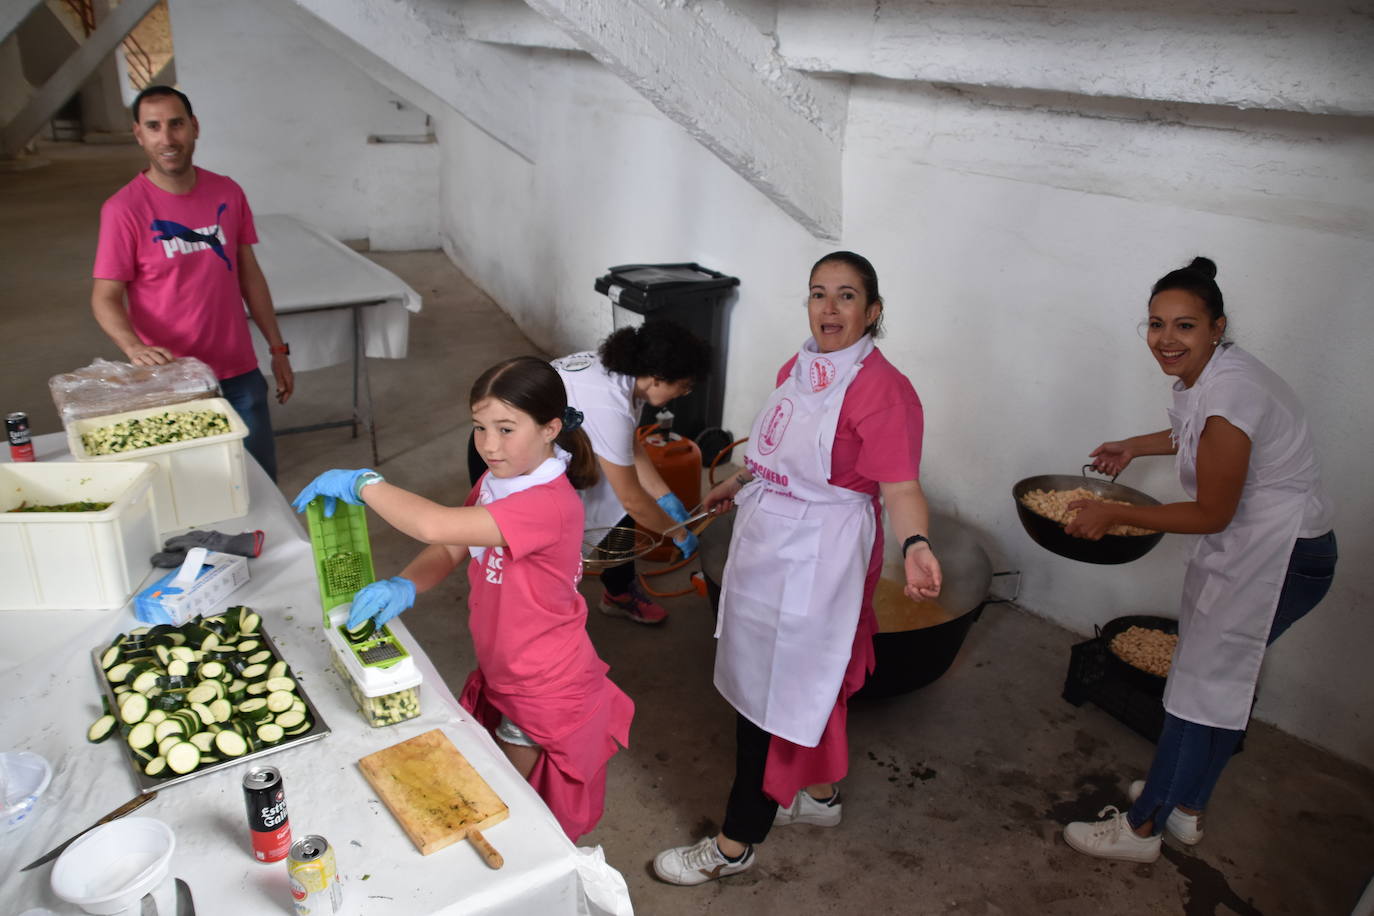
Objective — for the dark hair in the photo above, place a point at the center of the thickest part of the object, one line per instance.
(867, 274)
(659, 348)
(153, 92)
(531, 385)
(1198, 278)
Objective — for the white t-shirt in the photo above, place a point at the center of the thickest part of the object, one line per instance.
(610, 413)
(1252, 397)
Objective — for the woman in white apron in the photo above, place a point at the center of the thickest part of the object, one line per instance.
(796, 614)
(649, 364)
(1266, 556)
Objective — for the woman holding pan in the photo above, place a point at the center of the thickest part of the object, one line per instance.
(1266, 556)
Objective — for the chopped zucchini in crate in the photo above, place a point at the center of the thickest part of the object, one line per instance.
(159, 429)
(387, 709)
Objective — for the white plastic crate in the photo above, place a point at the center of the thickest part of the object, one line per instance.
(75, 560)
(198, 482)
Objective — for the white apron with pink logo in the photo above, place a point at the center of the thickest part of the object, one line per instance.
(794, 579)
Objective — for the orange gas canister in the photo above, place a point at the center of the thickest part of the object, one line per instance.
(678, 462)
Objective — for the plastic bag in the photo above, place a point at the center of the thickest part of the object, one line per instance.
(105, 387)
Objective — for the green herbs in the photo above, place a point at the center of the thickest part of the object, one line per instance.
(160, 429)
(84, 505)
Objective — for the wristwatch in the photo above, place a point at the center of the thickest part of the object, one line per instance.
(364, 479)
(914, 539)
(283, 350)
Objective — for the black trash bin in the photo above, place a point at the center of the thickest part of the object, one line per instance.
(692, 296)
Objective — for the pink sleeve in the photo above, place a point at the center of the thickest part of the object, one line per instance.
(890, 442)
(114, 250)
(248, 232)
(524, 520)
(785, 371)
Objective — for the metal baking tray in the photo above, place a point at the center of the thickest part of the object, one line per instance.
(148, 783)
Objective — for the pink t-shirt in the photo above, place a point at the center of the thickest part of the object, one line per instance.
(880, 428)
(177, 255)
(528, 621)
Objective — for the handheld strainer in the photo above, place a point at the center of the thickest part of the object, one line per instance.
(605, 547)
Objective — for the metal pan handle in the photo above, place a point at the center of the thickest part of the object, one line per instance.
(1089, 467)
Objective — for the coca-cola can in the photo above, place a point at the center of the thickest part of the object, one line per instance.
(267, 823)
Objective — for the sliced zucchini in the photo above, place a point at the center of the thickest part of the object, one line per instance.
(133, 708)
(141, 735)
(100, 729)
(110, 656)
(279, 669)
(279, 701)
(183, 757)
(168, 743)
(154, 716)
(146, 680)
(270, 733)
(256, 672)
(119, 672)
(204, 741)
(231, 744)
(248, 645)
(275, 684)
(168, 726)
(290, 719)
(262, 656)
(221, 710)
(201, 693)
(256, 689)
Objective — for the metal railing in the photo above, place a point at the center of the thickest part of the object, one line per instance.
(140, 62)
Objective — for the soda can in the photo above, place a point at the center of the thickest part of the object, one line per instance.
(17, 428)
(267, 823)
(314, 878)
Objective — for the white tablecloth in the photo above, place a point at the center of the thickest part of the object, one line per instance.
(314, 278)
(50, 695)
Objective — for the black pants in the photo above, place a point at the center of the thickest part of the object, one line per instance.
(615, 580)
(749, 813)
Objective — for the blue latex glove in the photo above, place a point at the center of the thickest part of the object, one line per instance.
(332, 485)
(685, 540)
(688, 545)
(669, 503)
(381, 601)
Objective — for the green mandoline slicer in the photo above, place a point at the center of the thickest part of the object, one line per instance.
(343, 564)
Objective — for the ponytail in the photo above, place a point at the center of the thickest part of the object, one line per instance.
(583, 470)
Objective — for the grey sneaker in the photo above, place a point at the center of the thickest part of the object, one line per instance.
(807, 810)
(1112, 838)
(1184, 827)
(689, 865)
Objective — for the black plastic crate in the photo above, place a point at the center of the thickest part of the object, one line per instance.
(1095, 674)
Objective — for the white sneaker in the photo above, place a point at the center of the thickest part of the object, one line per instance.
(1184, 827)
(807, 810)
(1111, 839)
(689, 865)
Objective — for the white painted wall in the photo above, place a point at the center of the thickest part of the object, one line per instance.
(290, 120)
(1016, 243)
(1016, 233)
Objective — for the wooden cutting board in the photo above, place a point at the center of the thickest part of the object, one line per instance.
(433, 791)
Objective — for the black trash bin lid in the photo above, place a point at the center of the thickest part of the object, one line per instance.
(666, 276)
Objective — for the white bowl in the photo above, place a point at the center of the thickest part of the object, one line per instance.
(109, 869)
(23, 776)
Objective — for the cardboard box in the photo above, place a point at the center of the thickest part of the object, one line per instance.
(198, 588)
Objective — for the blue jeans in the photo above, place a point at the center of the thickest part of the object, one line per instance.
(247, 394)
(1190, 757)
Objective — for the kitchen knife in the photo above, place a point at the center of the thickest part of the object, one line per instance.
(136, 802)
(185, 905)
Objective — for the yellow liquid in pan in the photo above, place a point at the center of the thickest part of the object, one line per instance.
(897, 613)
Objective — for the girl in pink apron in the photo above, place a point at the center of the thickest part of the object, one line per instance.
(1266, 556)
(796, 614)
(539, 684)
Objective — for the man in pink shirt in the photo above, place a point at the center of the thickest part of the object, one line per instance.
(176, 243)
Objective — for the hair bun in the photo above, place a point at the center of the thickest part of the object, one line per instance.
(1205, 266)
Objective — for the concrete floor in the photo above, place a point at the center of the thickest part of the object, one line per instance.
(957, 793)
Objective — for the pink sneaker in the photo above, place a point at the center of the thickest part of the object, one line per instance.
(634, 604)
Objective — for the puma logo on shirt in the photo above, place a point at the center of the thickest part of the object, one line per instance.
(177, 239)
